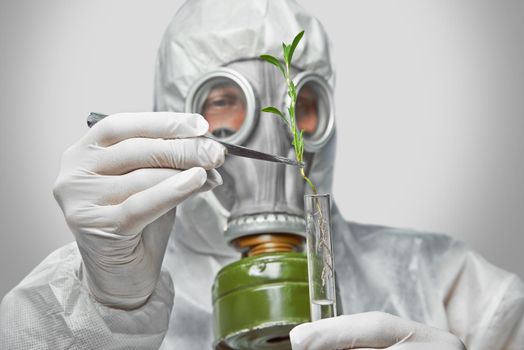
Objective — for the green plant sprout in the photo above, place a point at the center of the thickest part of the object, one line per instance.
(298, 142)
(298, 138)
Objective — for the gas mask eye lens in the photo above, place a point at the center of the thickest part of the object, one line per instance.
(226, 100)
(224, 109)
(314, 110)
(306, 111)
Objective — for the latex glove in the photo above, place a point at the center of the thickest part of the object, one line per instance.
(118, 186)
(371, 330)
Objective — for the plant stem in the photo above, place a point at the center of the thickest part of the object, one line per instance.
(308, 181)
(297, 137)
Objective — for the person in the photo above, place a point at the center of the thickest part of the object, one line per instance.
(140, 192)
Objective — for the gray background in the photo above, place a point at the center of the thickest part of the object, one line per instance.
(430, 102)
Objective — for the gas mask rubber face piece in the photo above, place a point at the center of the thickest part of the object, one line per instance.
(262, 197)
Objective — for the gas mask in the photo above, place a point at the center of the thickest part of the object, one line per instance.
(264, 200)
(262, 197)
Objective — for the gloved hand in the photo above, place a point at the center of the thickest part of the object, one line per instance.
(371, 330)
(118, 186)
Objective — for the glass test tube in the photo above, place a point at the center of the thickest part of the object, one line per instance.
(320, 256)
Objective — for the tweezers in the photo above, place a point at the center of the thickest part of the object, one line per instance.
(234, 150)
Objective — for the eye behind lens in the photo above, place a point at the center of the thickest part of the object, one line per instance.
(226, 100)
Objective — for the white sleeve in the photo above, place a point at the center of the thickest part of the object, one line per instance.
(485, 306)
(52, 309)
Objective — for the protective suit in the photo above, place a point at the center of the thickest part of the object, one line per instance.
(428, 278)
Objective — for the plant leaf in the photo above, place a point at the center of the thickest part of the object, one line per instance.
(276, 111)
(285, 51)
(293, 46)
(273, 60)
(273, 110)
